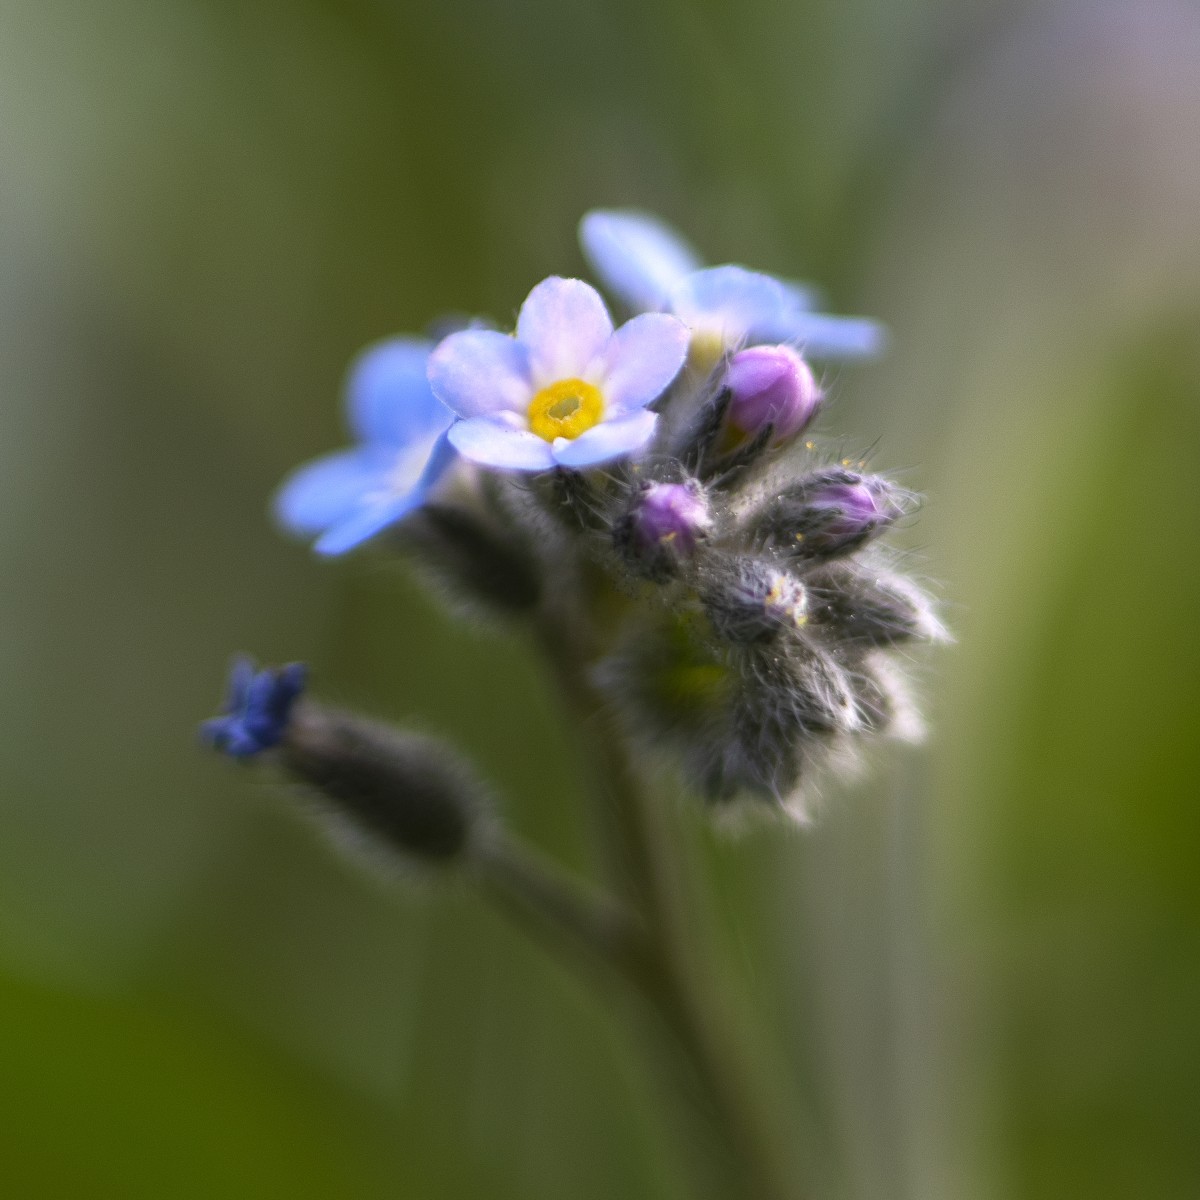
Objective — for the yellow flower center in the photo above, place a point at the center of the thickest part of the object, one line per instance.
(565, 409)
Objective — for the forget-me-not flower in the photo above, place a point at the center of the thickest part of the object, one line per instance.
(257, 708)
(651, 268)
(352, 495)
(566, 390)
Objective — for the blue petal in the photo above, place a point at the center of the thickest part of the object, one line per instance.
(803, 296)
(259, 710)
(645, 354)
(241, 676)
(479, 372)
(369, 520)
(230, 737)
(730, 301)
(441, 457)
(388, 393)
(258, 716)
(493, 445)
(322, 493)
(608, 440)
(637, 257)
(565, 327)
(822, 336)
(290, 681)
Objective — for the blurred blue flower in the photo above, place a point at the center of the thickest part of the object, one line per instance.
(349, 497)
(257, 708)
(567, 390)
(648, 266)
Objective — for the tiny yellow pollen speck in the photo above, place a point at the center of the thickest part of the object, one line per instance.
(810, 445)
(799, 537)
(845, 462)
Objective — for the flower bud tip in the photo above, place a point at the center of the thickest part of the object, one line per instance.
(771, 385)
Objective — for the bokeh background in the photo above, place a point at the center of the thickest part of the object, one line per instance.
(978, 975)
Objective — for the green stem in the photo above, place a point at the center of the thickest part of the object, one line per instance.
(662, 966)
(552, 907)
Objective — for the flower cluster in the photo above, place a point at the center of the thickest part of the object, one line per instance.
(648, 495)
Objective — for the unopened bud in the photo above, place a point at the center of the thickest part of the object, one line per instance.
(663, 528)
(832, 513)
(754, 602)
(865, 609)
(407, 791)
(770, 385)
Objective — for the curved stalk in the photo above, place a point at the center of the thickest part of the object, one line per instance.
(662, 966)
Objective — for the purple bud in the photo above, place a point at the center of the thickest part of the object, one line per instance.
(771, 385)
(832, 513)
(663, 528)
(668, 512)
(848, 511)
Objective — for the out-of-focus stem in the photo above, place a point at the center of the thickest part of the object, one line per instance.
(552, 907)
(660, 962)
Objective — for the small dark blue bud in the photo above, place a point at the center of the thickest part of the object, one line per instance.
(258, 708)
(753, 602)
(662, 528)
(770, 385)
(832, 513)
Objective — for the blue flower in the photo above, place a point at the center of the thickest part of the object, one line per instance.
(567, 390)
(257, 708)
(652, 269)
(352, 495)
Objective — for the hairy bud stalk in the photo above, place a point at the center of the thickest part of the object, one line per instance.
(471, 558)
(409, 792)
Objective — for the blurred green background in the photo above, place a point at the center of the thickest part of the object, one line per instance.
(978, 975)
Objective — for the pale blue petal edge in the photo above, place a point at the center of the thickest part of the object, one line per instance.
(492, 445)
(804, 296)
(479, 372)
(818, 335)
(388, 395)
(639, 258)
(606, 441)
(645, 354)
(364, 524)
(327, 490)
(564, 325)
(730, 299)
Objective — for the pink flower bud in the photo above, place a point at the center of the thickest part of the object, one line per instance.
(771, 385)
(663, 527)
